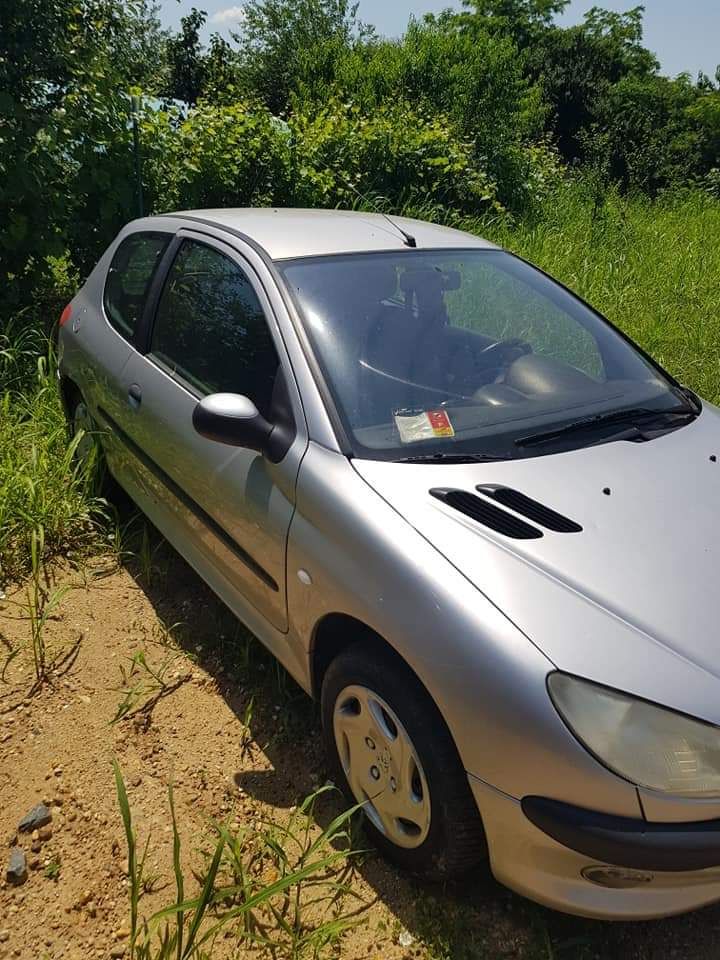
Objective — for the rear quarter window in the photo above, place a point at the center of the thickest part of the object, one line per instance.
(128, 279)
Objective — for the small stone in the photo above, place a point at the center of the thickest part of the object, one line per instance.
(35, 818)
(406, 939)
(4, 936)
(117, 951)
(45, 833)
(17, 867)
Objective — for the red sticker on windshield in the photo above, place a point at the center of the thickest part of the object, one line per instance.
(440, 423)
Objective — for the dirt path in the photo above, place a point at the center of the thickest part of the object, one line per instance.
(240, 743)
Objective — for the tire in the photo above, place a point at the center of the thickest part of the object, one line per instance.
(442, 837)
(79, 417)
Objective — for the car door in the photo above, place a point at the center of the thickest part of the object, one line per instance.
(104, 343)
(213, 331)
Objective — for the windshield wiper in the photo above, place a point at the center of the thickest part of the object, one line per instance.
(630, 415)
(451, 458)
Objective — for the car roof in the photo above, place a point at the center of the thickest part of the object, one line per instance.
(286, 232)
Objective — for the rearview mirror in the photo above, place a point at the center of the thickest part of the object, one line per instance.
(233, 419)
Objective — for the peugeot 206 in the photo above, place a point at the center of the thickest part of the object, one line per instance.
(463, 510)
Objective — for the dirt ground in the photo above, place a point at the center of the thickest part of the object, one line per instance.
(240, 742)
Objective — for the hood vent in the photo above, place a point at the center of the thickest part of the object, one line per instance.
(487, 514)
(530, 508)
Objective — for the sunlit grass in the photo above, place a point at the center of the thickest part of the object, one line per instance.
(652, 268)
(44, 494)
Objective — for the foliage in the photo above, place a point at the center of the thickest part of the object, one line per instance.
(46, 499)
(64, 143)
(193, 72)
(526, 20)
(240, 155)
(646, 141)
(394, 153)
(473, 80)
(232, 155)
(186, 68)
(281, 886)
(282, 40)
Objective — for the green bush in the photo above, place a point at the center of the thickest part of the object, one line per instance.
(470, 80)
(217, 156)
(395, 153)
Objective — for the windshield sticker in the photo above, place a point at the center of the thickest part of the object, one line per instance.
(414, 425)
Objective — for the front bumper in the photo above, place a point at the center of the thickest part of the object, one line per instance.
(542, 851)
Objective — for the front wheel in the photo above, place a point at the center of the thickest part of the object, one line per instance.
(391, 751)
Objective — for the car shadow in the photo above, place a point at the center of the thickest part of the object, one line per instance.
(474, 918)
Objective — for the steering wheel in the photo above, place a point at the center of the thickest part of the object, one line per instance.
(496, 352)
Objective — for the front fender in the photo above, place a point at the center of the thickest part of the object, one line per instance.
(486, 677)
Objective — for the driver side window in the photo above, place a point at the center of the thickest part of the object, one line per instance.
(210, 329)
(497, 305)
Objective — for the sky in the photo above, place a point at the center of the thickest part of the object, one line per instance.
(685, 34)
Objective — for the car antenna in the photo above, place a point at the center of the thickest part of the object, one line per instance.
(408, 239)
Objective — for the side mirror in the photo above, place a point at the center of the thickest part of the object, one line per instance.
(233, 419)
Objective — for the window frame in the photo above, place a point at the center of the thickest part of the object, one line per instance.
(159, 280)
(136, 338)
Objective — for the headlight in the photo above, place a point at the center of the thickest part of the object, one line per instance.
(649, 745)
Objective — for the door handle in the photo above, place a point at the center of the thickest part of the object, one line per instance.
(134, 395)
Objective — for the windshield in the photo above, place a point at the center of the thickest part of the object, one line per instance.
(462, 352)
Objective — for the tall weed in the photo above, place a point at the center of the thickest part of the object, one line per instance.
(42, 486)
(280, 886)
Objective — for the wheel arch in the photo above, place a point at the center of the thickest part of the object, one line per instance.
(69, 393)
(335, 632)
(332, 634)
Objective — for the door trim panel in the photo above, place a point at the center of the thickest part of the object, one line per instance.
(189, 503)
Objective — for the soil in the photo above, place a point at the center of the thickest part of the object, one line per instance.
(240, 743)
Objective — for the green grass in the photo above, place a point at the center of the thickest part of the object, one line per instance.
(652, 268)
(45, 497)
(300, 911)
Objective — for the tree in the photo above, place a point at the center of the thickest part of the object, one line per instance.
(473, 79)
(643, 137)
(283, 40)
(523, 20)
(186, 63)
(577, 68)
(64, 139)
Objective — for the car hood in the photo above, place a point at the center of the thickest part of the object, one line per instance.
(633, 599)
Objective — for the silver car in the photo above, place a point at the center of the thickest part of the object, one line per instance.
(460, 507)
